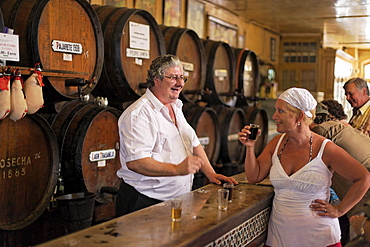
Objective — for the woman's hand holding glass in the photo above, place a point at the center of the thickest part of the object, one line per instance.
(244, 136)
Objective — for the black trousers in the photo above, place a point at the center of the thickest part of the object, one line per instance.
(129, 200)
(344, 227)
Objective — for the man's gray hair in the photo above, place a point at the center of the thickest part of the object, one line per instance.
(359, 83)
(160, 65)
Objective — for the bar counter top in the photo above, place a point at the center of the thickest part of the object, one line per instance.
(244, 223)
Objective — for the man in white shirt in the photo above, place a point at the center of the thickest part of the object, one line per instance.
(357, 94)
(159, 150)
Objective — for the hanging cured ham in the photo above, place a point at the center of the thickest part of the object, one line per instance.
(4, 95)
(33, 90)
(18, 104)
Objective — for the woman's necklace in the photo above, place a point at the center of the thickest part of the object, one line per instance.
(310, 148)
(281, 151)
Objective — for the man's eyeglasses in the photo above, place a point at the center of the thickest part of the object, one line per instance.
(177, 78)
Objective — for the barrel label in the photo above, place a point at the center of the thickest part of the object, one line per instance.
(102, 155)
(139, 36)
(232, 137)
(188, 66)
(9, 47)
(66, 47)
(15, 161)
(221, 72)
(14, 167)
(204, 140)
(139, 61)
(67, 57)
(137, 53)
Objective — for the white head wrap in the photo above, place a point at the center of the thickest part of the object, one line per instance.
(300, 98)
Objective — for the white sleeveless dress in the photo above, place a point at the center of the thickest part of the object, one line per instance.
(292, 223)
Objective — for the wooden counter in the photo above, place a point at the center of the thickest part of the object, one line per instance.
(244, 223)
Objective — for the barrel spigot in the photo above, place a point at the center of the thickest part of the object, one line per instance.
(79, 83)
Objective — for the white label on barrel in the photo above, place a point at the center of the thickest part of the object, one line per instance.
(102, 155)
(204, 140)
(67, 57)
(66, 47)
(221, 72)
(188, 66)
(139, 61)
(102, 163)
(9, 47)
(139, 36)
(137, 53)
(233, 137)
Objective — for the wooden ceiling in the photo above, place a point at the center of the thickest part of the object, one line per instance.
(343, 23)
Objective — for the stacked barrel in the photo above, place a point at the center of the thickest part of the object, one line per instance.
(58, 146)
(72, 144)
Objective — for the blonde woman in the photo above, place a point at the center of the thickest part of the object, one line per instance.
(300, 164)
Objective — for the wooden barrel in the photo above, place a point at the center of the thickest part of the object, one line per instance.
(89, 142)
(219, 87)
(204, 120)
(65, 36)
(247, 74)
(132, 40)
(232, 120)
(186, 44)
(29, 159)
(258, 116)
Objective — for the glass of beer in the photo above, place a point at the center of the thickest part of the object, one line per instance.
(230, 188)
(254, 131)
(176, 208)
